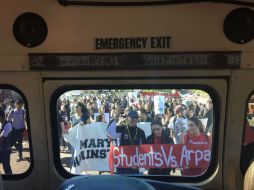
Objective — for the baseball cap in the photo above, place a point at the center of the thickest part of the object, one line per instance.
(133, 114)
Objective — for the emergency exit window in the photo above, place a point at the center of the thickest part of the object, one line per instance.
(135, 131)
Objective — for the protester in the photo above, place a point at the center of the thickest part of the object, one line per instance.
(100, 118)
(159, 136)
(17, 117)
(5, 143)
(178, 124)
(63, 126)
(180, 103)
(120, 108)
(169, 113)
(130, 135)
(149, 111)
(209, 114)
(195, 136)
(81, 116)
(143, 116)
(190, 113)
(196, 108)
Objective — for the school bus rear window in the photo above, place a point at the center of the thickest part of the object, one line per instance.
(135, 131)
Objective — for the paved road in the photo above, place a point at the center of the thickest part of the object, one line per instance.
(65, 159)
(22, 166)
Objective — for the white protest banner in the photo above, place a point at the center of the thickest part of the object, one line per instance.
(71, 136)
(159, 104)
(111, 130)
(91, 147)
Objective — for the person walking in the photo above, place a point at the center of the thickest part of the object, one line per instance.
(5, 144)
(17, 117)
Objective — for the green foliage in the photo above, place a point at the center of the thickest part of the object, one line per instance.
(200, 93)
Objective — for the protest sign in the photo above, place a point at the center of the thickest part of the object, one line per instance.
(91, 147)
(161, 156)
(159, 104)
(91, 151)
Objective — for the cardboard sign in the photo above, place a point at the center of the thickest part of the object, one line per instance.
(159, 104)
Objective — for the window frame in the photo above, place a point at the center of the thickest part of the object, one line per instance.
(208, 89)
(30, 169)
(244, 129)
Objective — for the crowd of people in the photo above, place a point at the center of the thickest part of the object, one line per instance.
(102, 108)
(176, 123)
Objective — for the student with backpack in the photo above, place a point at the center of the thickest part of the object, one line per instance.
(5, 144)
(17, 117)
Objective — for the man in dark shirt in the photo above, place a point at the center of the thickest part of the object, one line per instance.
(130, 135)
